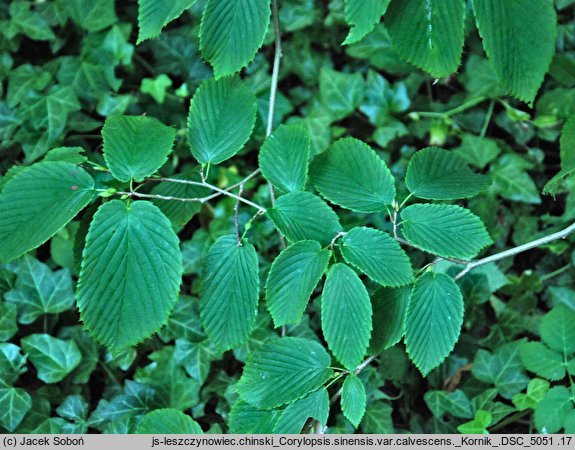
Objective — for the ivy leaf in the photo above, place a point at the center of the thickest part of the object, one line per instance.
(353, 399)
(389, 309)
(283, 371)
(92, 16)
(168, 421)
(54, 191)
(478, 425)
(53, 358)
(230, 292)
(154, 15)
(378, 419)
(551, 412)
(246, 23)
(295, 416)
(284, 157)
(350, 174)
(196, 357)
(445, 230)
(363, 15)
(455, 403)
(341, 93)
(12, 363)
(8, 325)
(39, 291)
(346, 315)
(567, 153)
(221, 119)
(14, 404)
(377, 255)
(519, 40)
(558, 329)
(544, 362)
(303, 216)
(136, 146)
(292, 279)
(437, 174)
(433, 320)
(536, 390)
(246, 419)
(428, 33)
(131, 273)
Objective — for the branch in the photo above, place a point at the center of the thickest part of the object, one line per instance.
(516, 250)
(276, 68)
(237, 215)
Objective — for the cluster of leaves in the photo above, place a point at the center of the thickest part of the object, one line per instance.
(138, 237)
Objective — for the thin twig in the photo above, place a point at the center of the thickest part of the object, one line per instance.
(237, 215)
(276, 68)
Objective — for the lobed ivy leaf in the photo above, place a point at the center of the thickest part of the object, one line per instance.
(536, 390)
(168, 421)
(14, 405)
(478, 425)
(8, 323)
(455, 403)
(353, 399)
(296, 414)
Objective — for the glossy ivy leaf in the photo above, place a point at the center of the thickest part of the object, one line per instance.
(131, 273)
(455, 403)
(40, 291)
(283, 371)
(378, 255)
(551, 412)
(246, 419)
(428, 33)
(437, 174)
(245, 22)
(350, 174)
(230, 291)
(136, 146)
(12, 363)
(292, 279)
(154, 15)
(363, 15)
(284, 157)
(478, 425)
(221, 119)
(445, 230)
(389, 309)
(196, 357)
(346, 315)
(353, 399)
(546, 363)
(519, 39)
(8, 324)
(296, 414)
(567, 153)
(433, 320)
(536, 390)
(377, 419)
(93, 16)
(14, 405)
(341, 93)
(168, 421)
(303, 216)
(53, 358)
(558, 329)
(54, 191)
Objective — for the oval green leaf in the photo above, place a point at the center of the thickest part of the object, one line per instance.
(295, 416)
(168, 421)
(131, 273)
(389, 309)
(353, 399)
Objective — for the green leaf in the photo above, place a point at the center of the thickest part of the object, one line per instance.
(341, 93)
(544, 362)
(455, 403)
(156, 87)
(350, 174)
(54, 191)
(168, 421)
(15, 404)
(519, 39)
(536, 390)
(558, 329)
(12, 363)
(196, 357)
(295, 416)
(94, 15)
(346, 315)
(131, 273)
(377, 255)
(40, 291)
(74, 407)
(284, 157)
(283, 371)
(551, 412)
(433, 320)
(378, 418)
(231, 33)
(567, 153)
(154, 15)
(503, 369)
(230, 291)
(303, 216)
(477, 151)
(136, 146)
(428, 33)
(53, 358)
(25, 20)
(389, 309)
(292, 279)
(246, 419)
(221, 119)
(72, 155)
(437, 174)
(478, 425)
(8, 325)
(363, 15)
(445, 230)
(353, 399)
